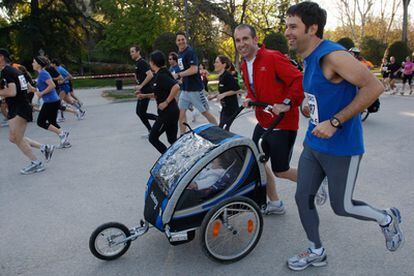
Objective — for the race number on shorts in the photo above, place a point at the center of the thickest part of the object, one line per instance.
(313, 108)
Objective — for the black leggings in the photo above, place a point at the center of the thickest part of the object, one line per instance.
(141, 110)
(48, 114)
(168, 123)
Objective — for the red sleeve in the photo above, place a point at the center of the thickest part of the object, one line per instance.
(291, 76)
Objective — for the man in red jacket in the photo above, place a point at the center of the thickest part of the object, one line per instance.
(271, 78)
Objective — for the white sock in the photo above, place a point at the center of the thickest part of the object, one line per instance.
(318, 251)
(276, 203)
(387, 220)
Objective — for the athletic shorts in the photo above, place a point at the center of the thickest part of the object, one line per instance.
(278, 145)
(22, 110)
(65, 88)
(195, 98)
(408, 78)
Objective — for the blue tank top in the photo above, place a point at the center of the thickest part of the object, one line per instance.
(325, 100)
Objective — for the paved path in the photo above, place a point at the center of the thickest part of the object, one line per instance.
(46, 219)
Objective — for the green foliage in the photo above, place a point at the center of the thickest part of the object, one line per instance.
(373, 50)
(129, 22)
(165, 42)
(346, 42)
(276, 41)
(399, 50)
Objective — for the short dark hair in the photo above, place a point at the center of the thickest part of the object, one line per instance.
(225, 60)
(247, 26)
(180, 33)
(158, 58)
(42, 61)
(55, 61)
(311, 14)
(174, 55)
(5, 53)
(136, 47)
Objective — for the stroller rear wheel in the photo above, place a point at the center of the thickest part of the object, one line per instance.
(106, 242)
(231, 230)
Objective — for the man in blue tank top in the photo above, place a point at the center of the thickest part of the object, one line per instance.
(338, 88)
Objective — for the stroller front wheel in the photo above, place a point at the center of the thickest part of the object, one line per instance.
(107, 242)
(231, 230)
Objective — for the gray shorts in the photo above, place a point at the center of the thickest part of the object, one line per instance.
(195, 98)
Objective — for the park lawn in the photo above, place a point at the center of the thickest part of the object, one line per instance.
(89, 83)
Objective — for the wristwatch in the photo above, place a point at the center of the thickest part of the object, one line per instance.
(287, 102)
(335, 122)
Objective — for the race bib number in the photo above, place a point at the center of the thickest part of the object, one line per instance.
(180, 64)
(313, 108)
(23, 83)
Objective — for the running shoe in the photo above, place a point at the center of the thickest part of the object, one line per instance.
(394, 237)
(80, 114)
(322, 194)
(307, 258)
(34, 167)
(272, 209)
(63, 139)
(48, 152)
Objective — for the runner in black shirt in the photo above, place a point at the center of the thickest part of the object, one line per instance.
(143, 76)
(393, 69)
(13, 87)
(164, 89)
(228, 89)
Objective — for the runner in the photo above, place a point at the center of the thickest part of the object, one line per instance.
(65, 89)
(173, 61)
(393, 69)
(228, 89)
(192, 88)
(51, 102)
(165, 89)
(334, 143)
(271, 78)
(13, 87)
(408, 70)
(143, 77)
(385, 74)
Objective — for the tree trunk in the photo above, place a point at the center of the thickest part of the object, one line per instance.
(405, 21)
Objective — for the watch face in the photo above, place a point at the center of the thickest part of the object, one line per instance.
(286, 101)
(335, 122)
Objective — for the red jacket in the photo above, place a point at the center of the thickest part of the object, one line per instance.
(275, 79)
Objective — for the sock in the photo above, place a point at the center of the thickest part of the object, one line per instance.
(276, 203)
(386, 221)
(318, 251)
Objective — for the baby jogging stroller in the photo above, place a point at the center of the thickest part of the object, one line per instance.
(210, 180)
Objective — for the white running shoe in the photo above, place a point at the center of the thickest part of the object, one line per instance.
(306, 259)
(272, 209)
(64, 139)
(48, 152)
(34, 167)
(394, 237)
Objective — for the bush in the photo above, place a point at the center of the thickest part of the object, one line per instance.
(346, 42)
(165, 42)
(276, 41)
(399, 50)
(96, 68)
(373, 50)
